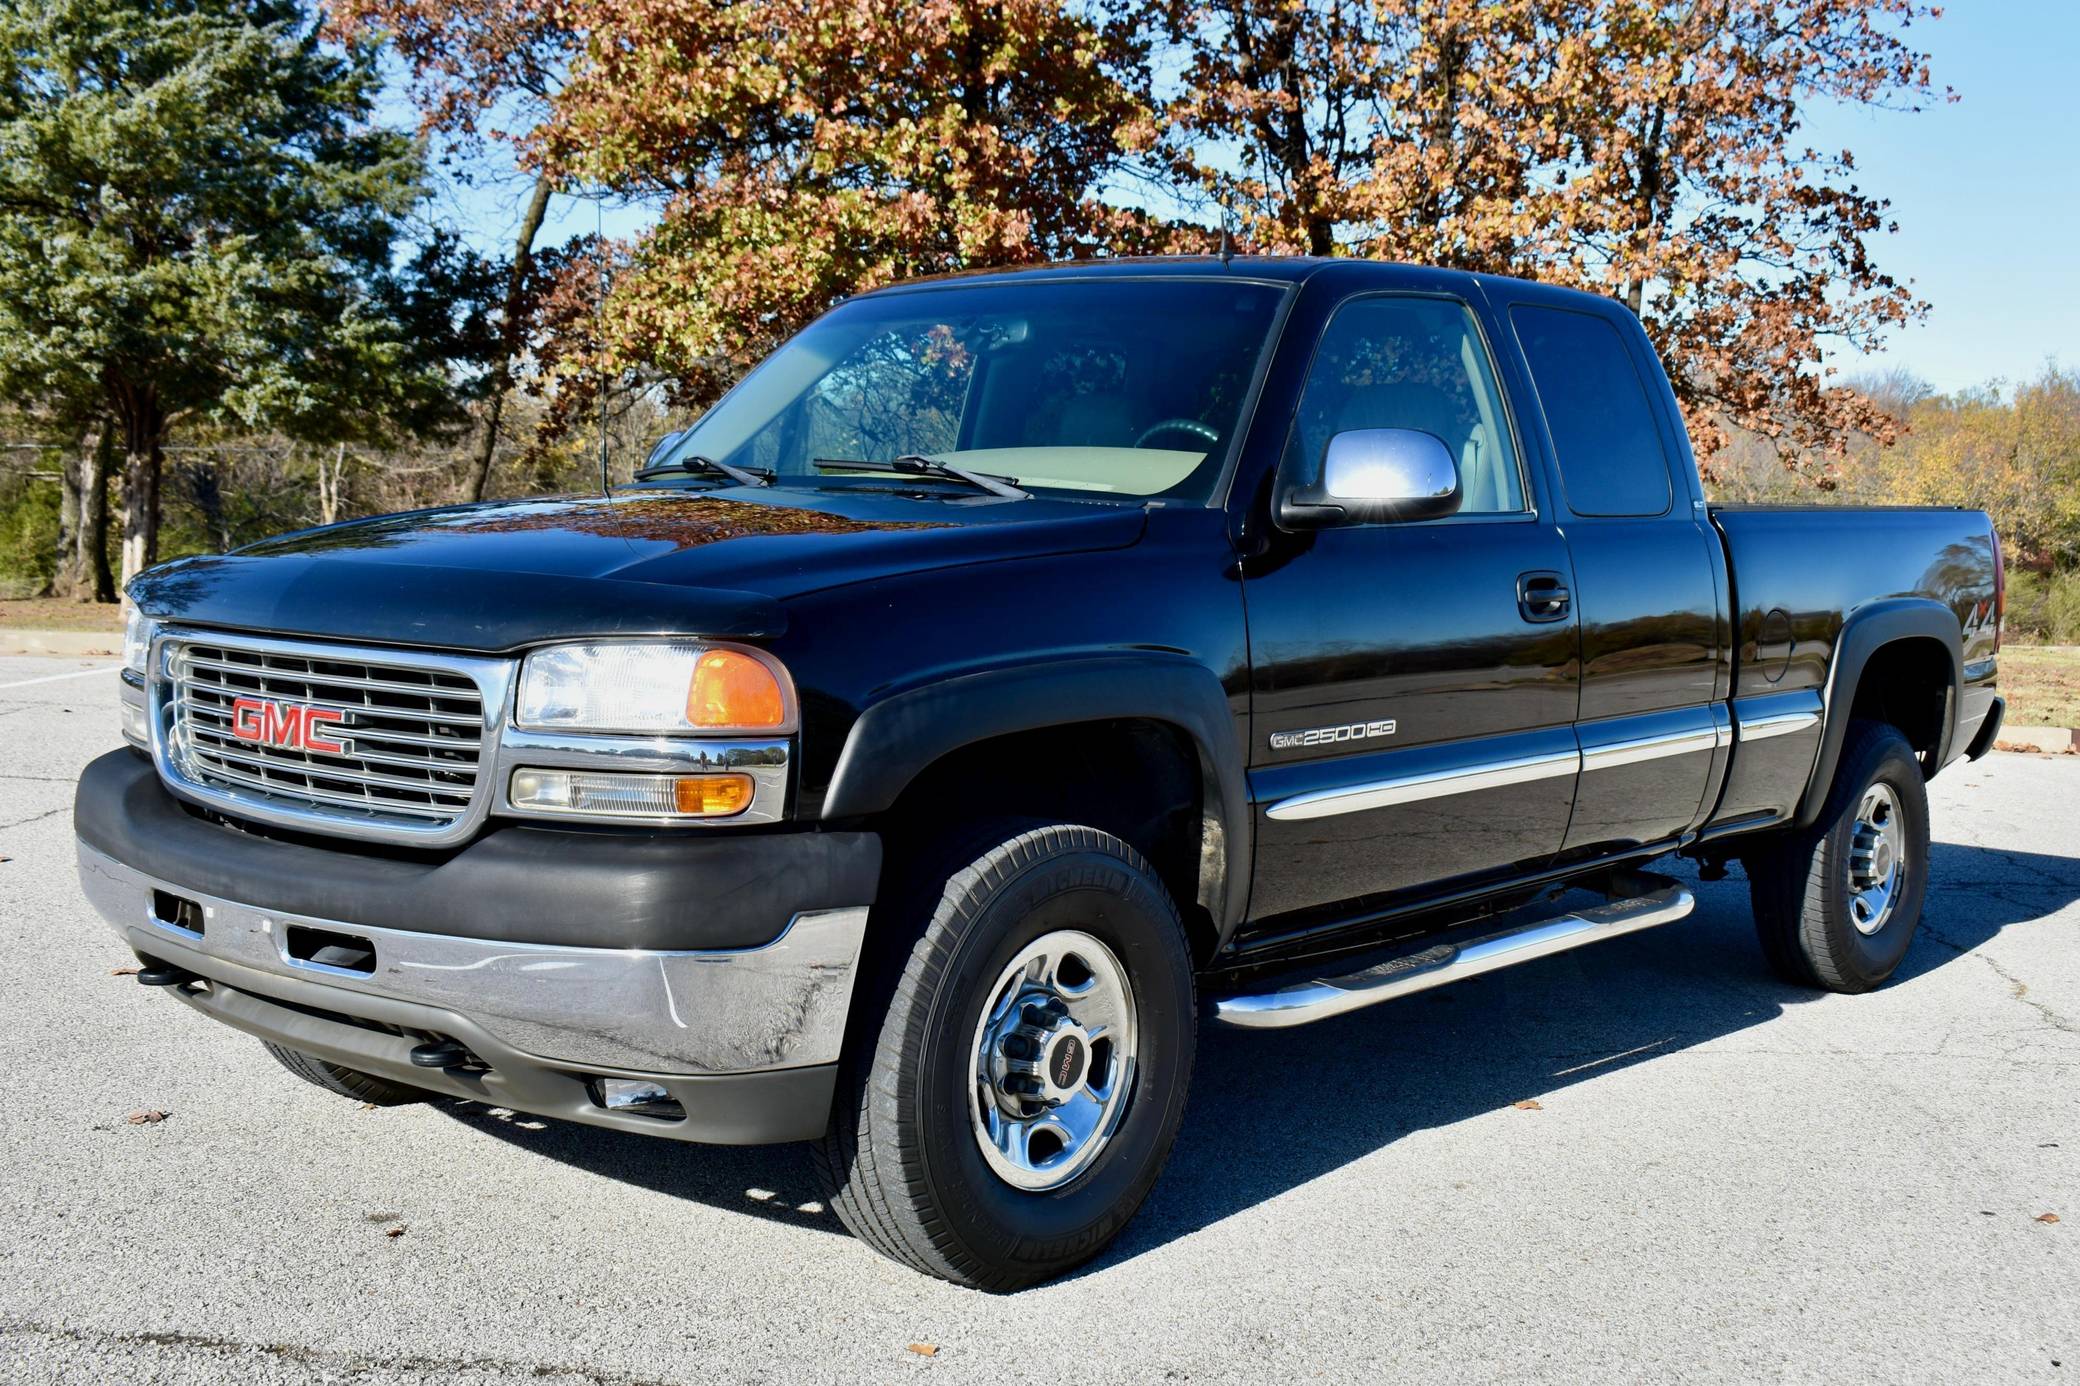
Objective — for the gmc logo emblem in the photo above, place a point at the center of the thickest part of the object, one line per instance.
(293, 725)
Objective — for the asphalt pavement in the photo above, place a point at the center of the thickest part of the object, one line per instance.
(1643, 1161)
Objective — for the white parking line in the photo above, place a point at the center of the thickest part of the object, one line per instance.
(54, 678)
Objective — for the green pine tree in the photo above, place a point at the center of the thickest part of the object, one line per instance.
(200, 219)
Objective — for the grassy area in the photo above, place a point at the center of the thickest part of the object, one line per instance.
(2042, 685)
(51, 613)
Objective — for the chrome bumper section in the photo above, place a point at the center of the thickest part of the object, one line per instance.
(779, 1006)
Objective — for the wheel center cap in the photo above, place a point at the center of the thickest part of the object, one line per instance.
(1066, 1062)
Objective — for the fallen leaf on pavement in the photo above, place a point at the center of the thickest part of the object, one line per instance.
(123, 971)
(397, 1231)
(368, 1107)
(925, 1349)
(2047, 1217)
(150, 1116)
(1527, 1105)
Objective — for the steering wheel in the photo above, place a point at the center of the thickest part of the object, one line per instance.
(1197, 428)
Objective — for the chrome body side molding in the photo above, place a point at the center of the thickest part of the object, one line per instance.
(1430, 784)
(1301, 1003)
(1655, 747)
(1762, 728)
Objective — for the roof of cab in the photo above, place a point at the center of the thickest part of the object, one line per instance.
(1275, 269)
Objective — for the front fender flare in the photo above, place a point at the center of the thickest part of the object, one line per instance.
(896, 739)
(1868, 630)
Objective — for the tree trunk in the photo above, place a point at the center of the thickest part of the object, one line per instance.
(65, 573)
(330, 485)
(1647, 214)
(509, 333)
(139, 514)
(205, 488)
(144, 430)
(93, 532)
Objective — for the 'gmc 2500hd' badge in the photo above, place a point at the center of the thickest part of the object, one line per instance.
(1327, 736)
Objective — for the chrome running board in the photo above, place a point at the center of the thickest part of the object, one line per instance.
(1300, 1003)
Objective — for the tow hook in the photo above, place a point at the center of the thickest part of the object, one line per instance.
(440, 1054)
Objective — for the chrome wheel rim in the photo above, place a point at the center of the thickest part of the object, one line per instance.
(1053, 1061)
(1877, 859)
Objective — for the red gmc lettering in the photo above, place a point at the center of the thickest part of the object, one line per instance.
(286, 724)
(313, 739)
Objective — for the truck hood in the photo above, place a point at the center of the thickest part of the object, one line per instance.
(653, 560)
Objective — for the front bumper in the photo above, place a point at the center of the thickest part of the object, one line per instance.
(746, 1039)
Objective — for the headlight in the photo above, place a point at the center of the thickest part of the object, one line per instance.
(668, 687)
(137, 640)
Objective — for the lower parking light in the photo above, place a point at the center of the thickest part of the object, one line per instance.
(622, 795)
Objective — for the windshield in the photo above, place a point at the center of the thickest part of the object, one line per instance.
(1122, 387)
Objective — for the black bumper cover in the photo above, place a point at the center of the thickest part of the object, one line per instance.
(621, 889)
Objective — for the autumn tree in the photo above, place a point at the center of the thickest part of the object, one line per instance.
(197, 219)
(2014, 453)
(1650, 149)
(803, 150)
(1389, 128)
(485, 70)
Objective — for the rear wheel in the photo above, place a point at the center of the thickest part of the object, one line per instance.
(1836, 904)
(347, 1082)
(1018, 1078)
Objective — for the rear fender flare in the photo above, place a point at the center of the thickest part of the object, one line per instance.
(896, 739)
(1867, 631)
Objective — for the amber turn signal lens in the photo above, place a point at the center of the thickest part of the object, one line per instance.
(712, 796)
(734, 690)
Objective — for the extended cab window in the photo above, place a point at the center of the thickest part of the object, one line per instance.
(1611, 460)
(1389, 362)
(1122, 386)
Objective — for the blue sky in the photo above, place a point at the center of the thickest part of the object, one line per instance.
(1986, 192)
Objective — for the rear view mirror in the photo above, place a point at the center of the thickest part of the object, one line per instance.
(1371, 475)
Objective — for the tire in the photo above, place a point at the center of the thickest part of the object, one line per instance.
(1817, 928)
(903, 1165)
(347, 1082)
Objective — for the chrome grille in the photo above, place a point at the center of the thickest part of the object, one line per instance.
(411, 736)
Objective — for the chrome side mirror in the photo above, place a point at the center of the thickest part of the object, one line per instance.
(661, 447)
(1371, 475)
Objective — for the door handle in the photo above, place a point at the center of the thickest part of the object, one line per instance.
(1542, 596)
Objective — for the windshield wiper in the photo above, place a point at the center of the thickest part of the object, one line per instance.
(912, 465)
(695, 463)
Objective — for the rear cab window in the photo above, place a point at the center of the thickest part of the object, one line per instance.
(1609, 449)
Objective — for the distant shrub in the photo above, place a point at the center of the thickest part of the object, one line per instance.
(2043, 608)
(28, 535)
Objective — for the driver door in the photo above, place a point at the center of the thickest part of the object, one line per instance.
(1414, 683)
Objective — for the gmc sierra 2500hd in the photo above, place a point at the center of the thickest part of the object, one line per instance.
(1007, 668)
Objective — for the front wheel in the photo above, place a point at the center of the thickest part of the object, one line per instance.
(1836, 904)
(347, 1082)
(1018, 1097)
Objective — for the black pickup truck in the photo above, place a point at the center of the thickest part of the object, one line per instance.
(1008, 670)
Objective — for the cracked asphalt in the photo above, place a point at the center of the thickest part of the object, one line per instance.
(1646, 1160)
